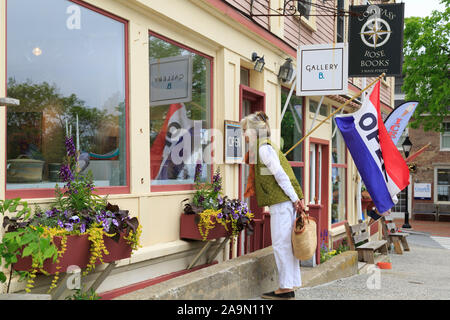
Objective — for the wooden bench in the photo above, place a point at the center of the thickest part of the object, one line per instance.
(425, 209)
(443, 210)
(358, 239)
(390, 234)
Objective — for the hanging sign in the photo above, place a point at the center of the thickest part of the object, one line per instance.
(170, 80)
(322, 69)
(233, 142)
(376, 40)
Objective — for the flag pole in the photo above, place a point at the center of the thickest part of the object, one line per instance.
(336, 111)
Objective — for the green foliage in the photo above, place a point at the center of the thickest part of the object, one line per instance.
(84, 295)
(427, 67)
(22, 211)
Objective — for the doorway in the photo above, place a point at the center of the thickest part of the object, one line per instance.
(251, 101)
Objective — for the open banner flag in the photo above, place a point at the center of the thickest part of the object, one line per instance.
(379, 162)
(397, 120)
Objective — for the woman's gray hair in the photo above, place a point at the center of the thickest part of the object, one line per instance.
(257, 122)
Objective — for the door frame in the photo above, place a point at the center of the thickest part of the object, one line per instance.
(325, 183)
(261, 237)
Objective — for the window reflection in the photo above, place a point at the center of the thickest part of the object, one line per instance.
(64, 62)
(179, 113)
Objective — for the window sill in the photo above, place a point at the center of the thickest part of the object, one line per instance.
(46, 194)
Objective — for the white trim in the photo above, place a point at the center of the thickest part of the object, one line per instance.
(435, 184)
(440, 139)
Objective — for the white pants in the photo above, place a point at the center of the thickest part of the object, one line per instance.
(282, 217)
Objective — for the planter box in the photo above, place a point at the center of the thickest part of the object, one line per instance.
(189, 229)
(77, 253)
(117, 250)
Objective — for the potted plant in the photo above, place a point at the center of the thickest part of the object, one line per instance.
(211, 216)
(80, 228)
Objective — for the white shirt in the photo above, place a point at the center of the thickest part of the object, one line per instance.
(270, 158)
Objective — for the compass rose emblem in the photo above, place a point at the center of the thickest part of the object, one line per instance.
(375, 32)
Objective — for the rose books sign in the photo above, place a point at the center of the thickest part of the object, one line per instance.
(376, 40)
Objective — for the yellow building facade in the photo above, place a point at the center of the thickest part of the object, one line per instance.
(215, 34)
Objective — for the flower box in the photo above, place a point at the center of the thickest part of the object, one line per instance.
(117, 250)
(77, 253)
(189, 229)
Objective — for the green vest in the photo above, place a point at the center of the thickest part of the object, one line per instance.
(268, 192)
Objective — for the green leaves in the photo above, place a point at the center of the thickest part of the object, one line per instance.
(426, 67)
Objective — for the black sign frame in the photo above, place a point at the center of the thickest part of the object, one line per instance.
(368, 61)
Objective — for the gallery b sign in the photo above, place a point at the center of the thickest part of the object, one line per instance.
(322, 69)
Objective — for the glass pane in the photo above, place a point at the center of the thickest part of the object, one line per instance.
(179, 137)
(298, 172)
(445, 138)
(64, 61)
(292, 126)
(400, 206)
(245, 77)
(338, 146)
(313, 107)
(338, 195)
(443, 176)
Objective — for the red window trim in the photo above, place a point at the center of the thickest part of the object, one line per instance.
(50, 193)
(186, 187)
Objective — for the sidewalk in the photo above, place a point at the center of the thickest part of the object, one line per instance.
(433, 228)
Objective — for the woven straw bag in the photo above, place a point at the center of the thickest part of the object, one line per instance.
(304, 236)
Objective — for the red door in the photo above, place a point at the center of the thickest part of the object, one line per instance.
(252, 100)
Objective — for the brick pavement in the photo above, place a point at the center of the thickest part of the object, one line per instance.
(434, 228)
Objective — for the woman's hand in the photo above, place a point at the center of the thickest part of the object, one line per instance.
(299, 205)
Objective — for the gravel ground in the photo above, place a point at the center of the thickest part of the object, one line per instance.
(423, 273)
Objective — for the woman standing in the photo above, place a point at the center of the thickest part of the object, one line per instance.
(274, 185)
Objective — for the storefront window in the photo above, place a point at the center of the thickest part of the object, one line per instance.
(292, 132)
(443, 184)
(180, 113)
(66, 65)
(339, 174)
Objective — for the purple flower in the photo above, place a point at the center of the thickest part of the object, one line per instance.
(115, 222)
(201, 198)
(83, 228)
(74, 219)
(220, 199)
(65, 173)
(70, 147)
(69, 226)
(198, 171)
(60, 223)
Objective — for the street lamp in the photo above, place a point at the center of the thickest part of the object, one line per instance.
(259, 62)
(286, 71)
(407, 145)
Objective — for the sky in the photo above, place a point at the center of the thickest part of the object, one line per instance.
(421, 8)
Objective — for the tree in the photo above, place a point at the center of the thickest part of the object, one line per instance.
(427, 67)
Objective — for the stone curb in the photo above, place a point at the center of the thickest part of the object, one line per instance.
(242, 278)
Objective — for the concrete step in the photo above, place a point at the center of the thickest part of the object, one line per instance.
(241, 278)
